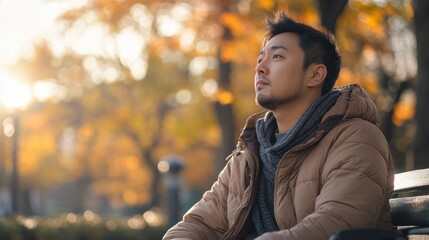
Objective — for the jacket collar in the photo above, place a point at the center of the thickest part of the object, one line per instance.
(354, 102)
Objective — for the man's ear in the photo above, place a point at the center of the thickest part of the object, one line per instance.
(317, 73)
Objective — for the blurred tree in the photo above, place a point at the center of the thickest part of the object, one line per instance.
(421, 19)
(329, 13)
(132, 82)
(378, 53)
(118, 93)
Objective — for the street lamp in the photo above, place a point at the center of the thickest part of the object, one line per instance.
(171, 167)
(14, 96)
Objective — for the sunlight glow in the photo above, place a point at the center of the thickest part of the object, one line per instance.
(183, 96)
(8, 127)
(203, 47)
(88, 36)
(380, 3)
(187, 40)
(14, 94)
(30, 223)
(24, 20)
(170, 22)
(111, 225)
(92, 217)
(141, 15)
(153, 218)
(136, 222)
(45, 90)
(198, 65)
(163, 166)
(209, 87)
(131, 45)
(71, 218)
(168, 26)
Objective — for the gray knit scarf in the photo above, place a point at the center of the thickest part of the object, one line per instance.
(272, 150)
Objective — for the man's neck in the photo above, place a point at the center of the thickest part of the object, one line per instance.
(288, 115)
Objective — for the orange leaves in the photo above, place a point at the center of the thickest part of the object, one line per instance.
(266, 4)
(373, 23)
(245, 42)
(409, 12)
(130, 197)
(227, 53)
(103, 114)
(404, 110)
(232, 22)
(366, 80)
(224, 97)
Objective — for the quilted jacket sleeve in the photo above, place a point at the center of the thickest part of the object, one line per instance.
(357, 181)
(207, 218)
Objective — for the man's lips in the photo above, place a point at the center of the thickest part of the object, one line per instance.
(261, 83)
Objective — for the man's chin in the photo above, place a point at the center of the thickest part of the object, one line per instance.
(266, 103)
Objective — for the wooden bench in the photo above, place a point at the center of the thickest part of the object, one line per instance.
(409, 208)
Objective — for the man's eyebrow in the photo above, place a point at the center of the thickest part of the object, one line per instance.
(275, 47)
(278, 47)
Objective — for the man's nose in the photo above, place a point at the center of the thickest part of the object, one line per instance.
(261, 68)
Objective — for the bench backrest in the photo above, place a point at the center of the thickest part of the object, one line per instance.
(409, 208)
(410, 201)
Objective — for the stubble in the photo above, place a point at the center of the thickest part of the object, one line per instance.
(271, 102)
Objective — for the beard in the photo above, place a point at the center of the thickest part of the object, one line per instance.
(268, 102)
(272, 102)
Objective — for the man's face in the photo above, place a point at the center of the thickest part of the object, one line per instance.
(279, 77)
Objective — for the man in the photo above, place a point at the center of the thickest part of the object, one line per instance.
(313, 164)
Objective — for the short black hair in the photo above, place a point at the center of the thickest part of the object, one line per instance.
(318, 47)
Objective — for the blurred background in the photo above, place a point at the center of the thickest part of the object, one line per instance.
(95, 94)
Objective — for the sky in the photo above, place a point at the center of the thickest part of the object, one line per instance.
(22, 21)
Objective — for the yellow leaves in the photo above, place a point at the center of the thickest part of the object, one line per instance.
(373, 23)
(190, 130)
(124, 176)
(366, 80)
(409, 12)
(130, 197)
(199, 166)
(227, 52)
(371, 85)
(212, 136)
(232, 22)
(345, 77)
(33, 150)
(245, 40)
(404, 110)
(224, 97)
(266, 4)
(243, 50)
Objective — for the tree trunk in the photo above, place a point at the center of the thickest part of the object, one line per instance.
(224, 112)
(147, 153)
(156, 177)
(421, 19)
(330, 10)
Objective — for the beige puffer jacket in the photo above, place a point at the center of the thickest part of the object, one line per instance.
(340, 177)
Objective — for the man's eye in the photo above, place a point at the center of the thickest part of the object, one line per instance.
(276, 56)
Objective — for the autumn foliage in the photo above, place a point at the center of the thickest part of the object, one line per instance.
(135, 81)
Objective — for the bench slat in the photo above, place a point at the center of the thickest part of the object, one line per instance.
(416, 179)
(409, 211)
